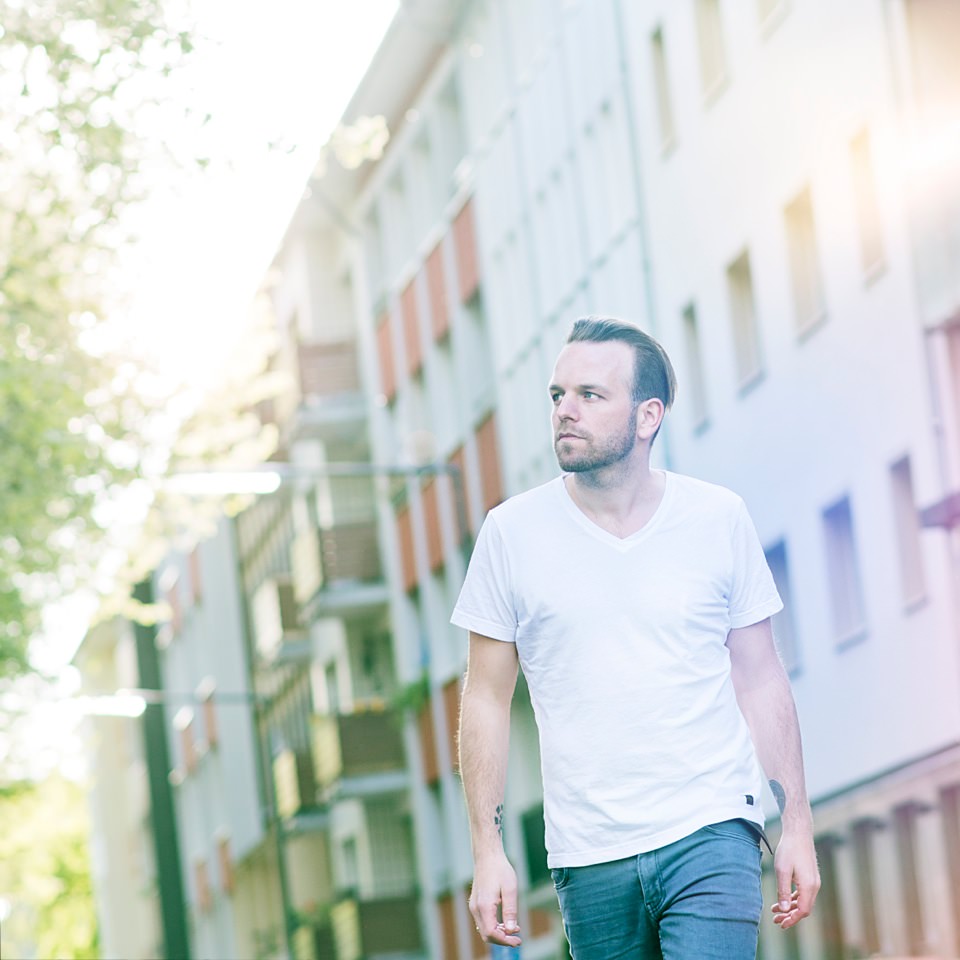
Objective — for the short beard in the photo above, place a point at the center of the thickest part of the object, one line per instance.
(597, 456)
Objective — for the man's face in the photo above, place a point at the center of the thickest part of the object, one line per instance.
(594, 417)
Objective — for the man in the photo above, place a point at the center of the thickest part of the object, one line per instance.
(638, 603)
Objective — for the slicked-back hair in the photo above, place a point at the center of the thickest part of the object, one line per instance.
(653, 374)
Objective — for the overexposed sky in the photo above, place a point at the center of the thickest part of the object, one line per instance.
(278, 72)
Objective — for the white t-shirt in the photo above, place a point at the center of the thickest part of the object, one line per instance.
(622, 643)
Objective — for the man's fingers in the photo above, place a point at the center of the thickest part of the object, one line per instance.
(785, 891)
(808, 888)
(508, 910)
(485, 913)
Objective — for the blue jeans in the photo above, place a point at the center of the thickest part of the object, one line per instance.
(696, 899)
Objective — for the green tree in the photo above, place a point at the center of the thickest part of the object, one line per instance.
(74, 78)
(46, 893)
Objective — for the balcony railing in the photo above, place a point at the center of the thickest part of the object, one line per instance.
(364, 928)
(356, 745)
(345, 553)
(350, 552)
(327, 369)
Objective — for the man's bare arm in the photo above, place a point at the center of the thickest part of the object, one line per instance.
(766, 701)
(484, 742)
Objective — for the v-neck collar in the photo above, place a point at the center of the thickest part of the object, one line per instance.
(605, 536)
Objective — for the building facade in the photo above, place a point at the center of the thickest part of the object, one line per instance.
(771, 188)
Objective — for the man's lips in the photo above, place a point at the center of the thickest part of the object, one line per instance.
(569, 436)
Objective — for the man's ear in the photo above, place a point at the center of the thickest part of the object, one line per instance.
(649, 417)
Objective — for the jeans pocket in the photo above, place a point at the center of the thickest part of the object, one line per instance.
(560, 876)
(738, 829)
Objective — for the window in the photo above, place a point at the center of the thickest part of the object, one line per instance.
(661, 87)
(912, 580)
(868, 211)
(843, 570)
(808, 297)
(783, 626)
(697, 382)
(479, 385)
(746, 335)
(713, 58)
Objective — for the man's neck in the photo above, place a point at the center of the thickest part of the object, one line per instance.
(620, 498)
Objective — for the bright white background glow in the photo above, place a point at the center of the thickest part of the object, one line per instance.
(273, 73)
(280, 72)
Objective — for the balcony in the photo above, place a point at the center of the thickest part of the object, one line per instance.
(370, 927)
(337, 568)
(278, 632)
(294, 782)
(328, 382)
(352, 752)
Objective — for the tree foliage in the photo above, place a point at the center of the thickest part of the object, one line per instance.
(74, 78)
(45, 882)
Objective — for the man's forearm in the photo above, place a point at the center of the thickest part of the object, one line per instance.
(484, 745)
(772, 717)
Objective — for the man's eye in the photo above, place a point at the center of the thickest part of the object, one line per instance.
(589, 394)
(555, 397)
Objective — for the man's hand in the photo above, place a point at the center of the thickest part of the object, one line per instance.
(798, 879)
(495, 885)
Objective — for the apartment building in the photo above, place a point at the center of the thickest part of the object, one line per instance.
(123, 856)
(771, 188)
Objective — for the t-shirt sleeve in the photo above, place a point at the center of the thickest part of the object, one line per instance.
(753, 594)
(486, 603)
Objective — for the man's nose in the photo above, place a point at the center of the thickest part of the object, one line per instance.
(566, 408)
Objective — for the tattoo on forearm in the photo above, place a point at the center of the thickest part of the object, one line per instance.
(498, 819)
(778, 794)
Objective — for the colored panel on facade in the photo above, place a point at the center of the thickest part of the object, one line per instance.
(451, 710)
(411, 329)
(437, 289)
(176, 610)
(188, 748)
(448, 925)
(202, 882)
(465, 245)
(428, 743)
(210, 729)
(196, 582)
(488, 454)
(541, 921)
(461, 496)
(225, 859)
(388, 369)
(408, 564)
(479, 949)
(431, 518)
(327, 369)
